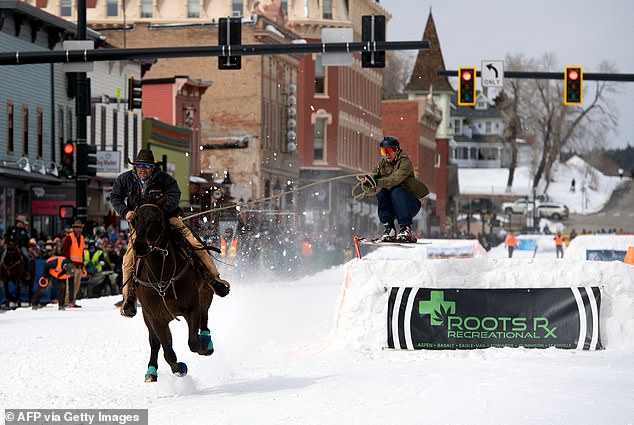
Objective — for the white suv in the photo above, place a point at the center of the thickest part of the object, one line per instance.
(518, 207)
(552, 210)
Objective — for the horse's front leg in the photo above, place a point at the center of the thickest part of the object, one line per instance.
(152, 374)
(164, 335)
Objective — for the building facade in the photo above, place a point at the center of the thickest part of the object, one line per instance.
(37, 109)
(425, 82)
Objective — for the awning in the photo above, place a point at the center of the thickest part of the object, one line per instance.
(13, 173)
(198, 180)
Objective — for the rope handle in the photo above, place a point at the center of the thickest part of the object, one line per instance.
(362, 189)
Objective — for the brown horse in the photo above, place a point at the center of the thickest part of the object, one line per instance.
(14, 269)
(169, 284)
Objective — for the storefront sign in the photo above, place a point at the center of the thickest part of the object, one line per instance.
(437, 319)
(108, 162)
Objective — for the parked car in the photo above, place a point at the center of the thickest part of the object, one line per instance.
(552, 210)
(477, 205)
(520, 206)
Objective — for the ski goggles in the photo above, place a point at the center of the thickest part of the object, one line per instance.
(142, 166)
(388, 151)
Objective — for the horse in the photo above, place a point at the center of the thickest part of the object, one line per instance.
(168, 284)
(14, 269)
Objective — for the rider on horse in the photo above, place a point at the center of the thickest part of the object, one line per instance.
(147, 183)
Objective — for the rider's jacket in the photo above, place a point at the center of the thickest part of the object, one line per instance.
(18, 235)
(128, 192)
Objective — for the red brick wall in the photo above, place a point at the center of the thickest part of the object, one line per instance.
(157, 102)
(400, 119)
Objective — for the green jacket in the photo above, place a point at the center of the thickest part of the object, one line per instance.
(399, 173)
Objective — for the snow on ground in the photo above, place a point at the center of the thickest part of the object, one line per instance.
(592, 188)
(312, 351)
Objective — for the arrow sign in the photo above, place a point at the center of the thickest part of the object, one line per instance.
(492, 73)
(491, 67)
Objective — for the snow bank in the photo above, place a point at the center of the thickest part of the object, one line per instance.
(362, 316)
(579, 245)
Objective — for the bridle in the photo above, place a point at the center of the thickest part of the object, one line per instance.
(159, 283)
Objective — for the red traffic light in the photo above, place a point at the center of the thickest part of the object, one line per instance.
(573, 74)
(466, 75)
(69, 148)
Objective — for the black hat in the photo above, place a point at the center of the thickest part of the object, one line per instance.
(145, 156)
(389, 142)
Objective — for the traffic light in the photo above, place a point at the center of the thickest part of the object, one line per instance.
(86, 159)
(230, 34)
(66, 211)
(466, 86)
(135, 93)
(372, 30)
(573, 80)
(68, 160)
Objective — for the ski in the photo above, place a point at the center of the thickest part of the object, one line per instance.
(378, 242)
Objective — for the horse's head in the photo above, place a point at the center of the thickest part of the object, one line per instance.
(150, 228)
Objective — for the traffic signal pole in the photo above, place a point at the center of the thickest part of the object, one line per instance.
(98, 55)
(82, 108)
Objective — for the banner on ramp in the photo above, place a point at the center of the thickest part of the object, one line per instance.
(440, 319)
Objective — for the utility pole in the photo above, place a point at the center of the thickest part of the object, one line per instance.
(82, 108)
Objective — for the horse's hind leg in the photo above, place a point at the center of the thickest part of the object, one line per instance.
(205, 298)
(198, 342)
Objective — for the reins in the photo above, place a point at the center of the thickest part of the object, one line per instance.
(160, 284)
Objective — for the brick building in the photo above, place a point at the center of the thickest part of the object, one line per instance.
(414, 123)
(424, 82)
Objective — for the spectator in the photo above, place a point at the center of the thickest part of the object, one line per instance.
(511, 243)
(559, 245)
(92, 257)
(228, 244)
(73, 250)
(56, 268)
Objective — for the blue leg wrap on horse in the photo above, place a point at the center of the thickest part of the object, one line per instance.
(205, 336)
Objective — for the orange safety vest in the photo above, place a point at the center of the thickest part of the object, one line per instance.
(58, 272)
(307, 248)
(559, 240)
(77, 248)
(511, 241)
(233, 248)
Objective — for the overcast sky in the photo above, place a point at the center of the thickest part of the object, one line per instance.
(579, 32)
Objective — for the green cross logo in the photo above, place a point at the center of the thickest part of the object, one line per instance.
(437, 308)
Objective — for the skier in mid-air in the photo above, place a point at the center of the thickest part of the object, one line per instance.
(398, 191)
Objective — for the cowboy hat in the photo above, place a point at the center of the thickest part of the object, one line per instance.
(78, 223)
(145, 156)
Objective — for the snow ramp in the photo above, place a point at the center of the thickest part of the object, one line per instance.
(362, 316)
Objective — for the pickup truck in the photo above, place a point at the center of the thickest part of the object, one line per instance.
(518, 207)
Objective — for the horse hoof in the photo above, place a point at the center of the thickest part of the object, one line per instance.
(151, 375)
(181, 369)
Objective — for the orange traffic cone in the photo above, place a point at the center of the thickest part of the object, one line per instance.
(629, 256)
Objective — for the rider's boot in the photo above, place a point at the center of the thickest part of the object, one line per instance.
(220, 286)
(128, 308)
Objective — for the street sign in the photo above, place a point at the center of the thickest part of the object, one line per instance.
(336, 35)
(492, 73)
